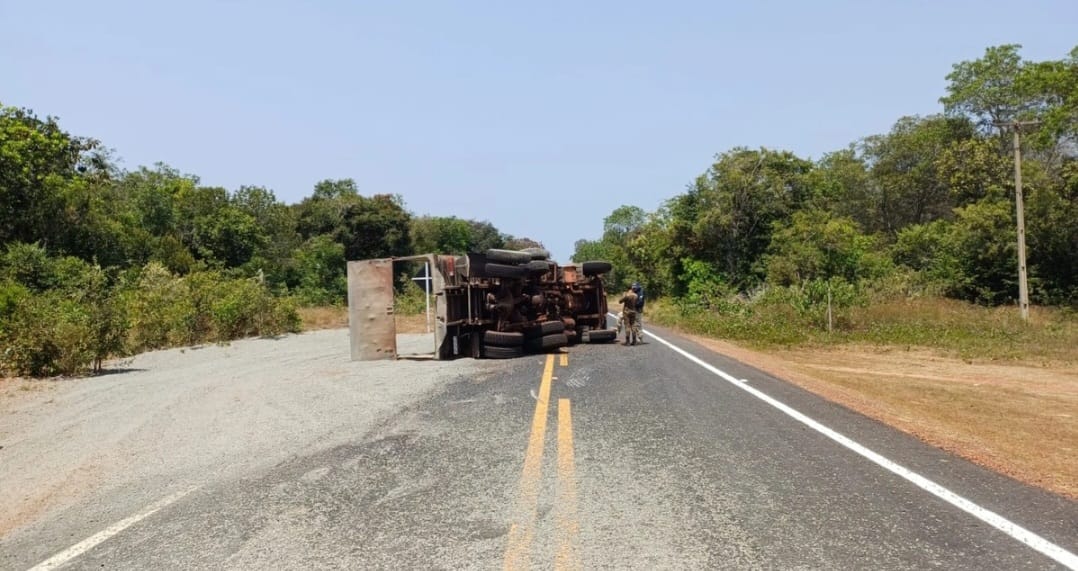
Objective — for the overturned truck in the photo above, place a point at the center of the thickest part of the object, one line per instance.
(496, 304)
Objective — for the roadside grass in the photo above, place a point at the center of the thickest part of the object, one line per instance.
(323, 317)
(951, 327)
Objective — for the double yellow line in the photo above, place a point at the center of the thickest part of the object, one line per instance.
(566, 524)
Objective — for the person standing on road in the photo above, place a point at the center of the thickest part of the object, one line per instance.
(628, 316)
(639, 291)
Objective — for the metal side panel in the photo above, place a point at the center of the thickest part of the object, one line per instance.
(441, 350)
(371, 324)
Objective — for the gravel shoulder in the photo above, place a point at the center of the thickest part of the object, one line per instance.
(185, 417)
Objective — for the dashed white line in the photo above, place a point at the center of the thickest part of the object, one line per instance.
(89, 543)
(1015, 531)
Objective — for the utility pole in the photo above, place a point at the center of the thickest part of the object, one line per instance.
(1023, 284)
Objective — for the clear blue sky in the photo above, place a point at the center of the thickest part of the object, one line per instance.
(540, 117)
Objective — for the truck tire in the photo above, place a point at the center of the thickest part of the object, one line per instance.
(495, 352)
(602, 335)
(503, 338)
(504, 271)
(546, 343)
(538, 266)
(538, 253)
(595, 268)
(511, 257)
(544, 328)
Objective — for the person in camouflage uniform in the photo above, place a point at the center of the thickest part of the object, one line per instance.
(628, 316)
(639, 291)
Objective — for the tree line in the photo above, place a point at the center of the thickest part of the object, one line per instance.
(927, 208)
(96, 261)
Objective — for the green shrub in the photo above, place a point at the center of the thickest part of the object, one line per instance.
(74, 275)
(320, 266)
(411, 300)
(242, 308)
(66, 316)
(166, 310)
(27, 264)
(12, 295)
(65, 330)
(703, 285)
(49, 334)
(160, 310)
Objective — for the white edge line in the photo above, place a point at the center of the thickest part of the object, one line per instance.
(89, 543)
(993, 519)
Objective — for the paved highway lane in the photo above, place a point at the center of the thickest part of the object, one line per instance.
(607, 457)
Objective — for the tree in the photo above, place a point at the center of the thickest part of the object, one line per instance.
(727, 216)
(587, 250)
(215, 230)
(1053, 86)
(906, 185)
(841, 184)
(323, 211)
(815, 245)
(276, 225)
(983, 241)
(623, 222)
(974, 169)
(367, 227)
(652, 255)
(320, 269)
(486, 236)
(1051, 215)
(441, 235)
(38, 161)
(514, 243)
(988, 89)
(375, 227)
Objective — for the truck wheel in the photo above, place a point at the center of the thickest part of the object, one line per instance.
(602, 335)
(493, 352)
(538, 266)
(544, 328)
(538, 253)
(511, 257)
(595, 268)
(503, 338)
(505, 271)
(547, 343)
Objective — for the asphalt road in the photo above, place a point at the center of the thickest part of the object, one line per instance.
(609, 457)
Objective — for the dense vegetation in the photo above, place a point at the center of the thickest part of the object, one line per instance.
(98, 262)
(926, 210)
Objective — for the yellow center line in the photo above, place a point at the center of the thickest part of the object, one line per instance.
(564, 359)
(518, 549)
(567, 525)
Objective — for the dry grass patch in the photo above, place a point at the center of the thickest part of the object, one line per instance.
(336, 317)
(411, 323)
(328, 317)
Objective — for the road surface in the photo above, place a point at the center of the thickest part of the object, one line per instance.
(659, 456)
